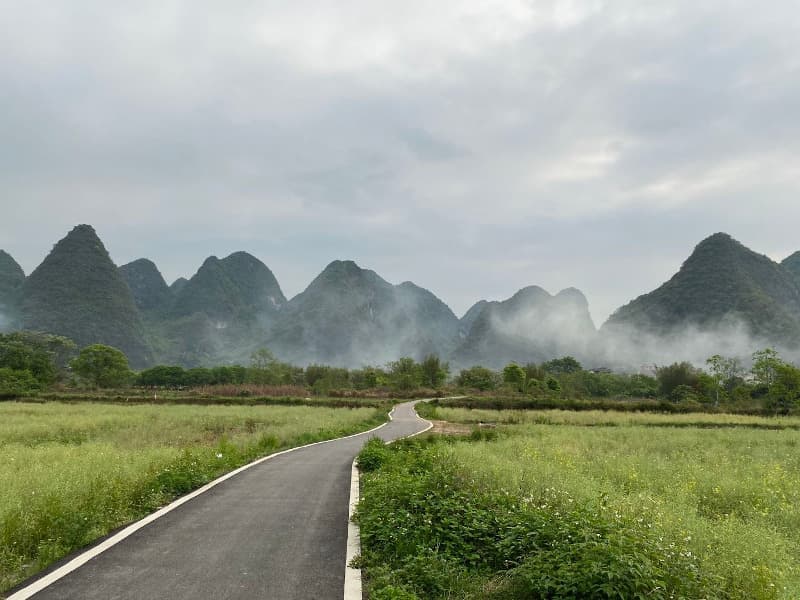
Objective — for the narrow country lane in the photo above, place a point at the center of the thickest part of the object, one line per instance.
(275, 531)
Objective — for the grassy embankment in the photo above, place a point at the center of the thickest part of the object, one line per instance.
(563, 505)
(70, 473)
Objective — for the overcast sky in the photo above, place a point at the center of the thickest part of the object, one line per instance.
(473, 147)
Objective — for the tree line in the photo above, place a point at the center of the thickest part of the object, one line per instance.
(31, 362)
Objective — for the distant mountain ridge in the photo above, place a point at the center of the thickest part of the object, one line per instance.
(350, 316)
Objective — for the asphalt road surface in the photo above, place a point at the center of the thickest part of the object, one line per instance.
(276, 531)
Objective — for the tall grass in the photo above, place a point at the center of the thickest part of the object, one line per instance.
(72, 472)
(595, 418)
(634, 504)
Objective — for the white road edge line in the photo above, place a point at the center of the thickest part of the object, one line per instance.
(80, 560)
(352, 576)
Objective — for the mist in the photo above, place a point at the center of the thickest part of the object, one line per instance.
(628, 349)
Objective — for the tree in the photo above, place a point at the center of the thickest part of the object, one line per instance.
(262, 359)
(102, 366)
(16, 383)
(559, 366)
(676, 374)
(784, 393)
(162, 376)
(405, 374)
(725, 373)
(515, 377)
(477, 378)
(41, 354)
(433, 371)
(765, 366)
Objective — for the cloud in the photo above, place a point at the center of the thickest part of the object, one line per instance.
(474, 147)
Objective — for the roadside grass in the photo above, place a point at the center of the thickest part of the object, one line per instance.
(594, 418)
(194, 397)
(70, 473)
(627, 509)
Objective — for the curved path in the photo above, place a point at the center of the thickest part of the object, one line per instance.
(277, 530)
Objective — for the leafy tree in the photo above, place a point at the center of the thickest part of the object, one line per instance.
(671, 376)
(198, 376)
(405, 374)
(565, 364)
(368, 378)
(41, 354)
(725, 373)
(162, 376)
(515, 377)
(262, 359)
(784, 393)
(102, 366)
(228, 374)
(477, 378)
(552, 384)
(765, 366)
(16, 383)
(266, 369)
(433, 371)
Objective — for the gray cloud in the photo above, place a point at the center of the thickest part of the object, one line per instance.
(473, 148)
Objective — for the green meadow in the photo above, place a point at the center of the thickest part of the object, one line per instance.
(553, 504)
(71, 473)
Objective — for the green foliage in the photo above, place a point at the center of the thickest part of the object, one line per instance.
(477, 378)
(405, 374)
(560, 366)
(14, 383)
(368, 378)
(552, 384)
(102, 366)
(162, 376)
(588, 505)
(765, 366)
(429, 530)
(374, 454)
(323, 379)
(784, 393)
(515, 377)
(674, 375)
(433, 372)
(40, 354)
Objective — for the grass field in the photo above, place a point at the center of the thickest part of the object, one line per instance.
(72, 472)
(560, 505)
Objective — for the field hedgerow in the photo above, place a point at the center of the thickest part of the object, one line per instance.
(72, 472)
(562, 511)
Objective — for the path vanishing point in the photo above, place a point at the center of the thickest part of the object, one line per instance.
(277, 530)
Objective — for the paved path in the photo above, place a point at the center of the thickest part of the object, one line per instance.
(276, 531)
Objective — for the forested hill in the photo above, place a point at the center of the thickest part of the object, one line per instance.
(78, 292)
(722, 282)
